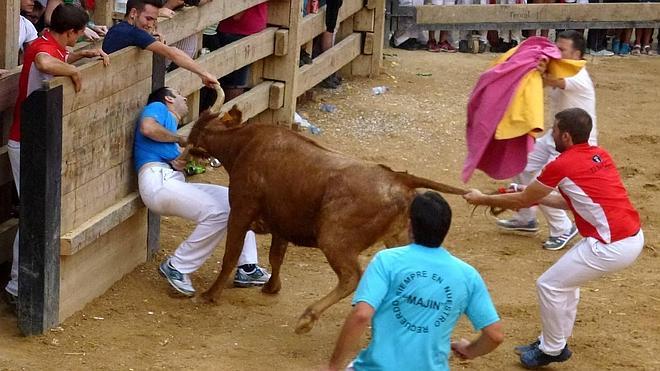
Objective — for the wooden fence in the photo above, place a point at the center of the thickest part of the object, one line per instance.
(83, 225)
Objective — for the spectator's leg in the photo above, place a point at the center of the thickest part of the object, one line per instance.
(14, 152)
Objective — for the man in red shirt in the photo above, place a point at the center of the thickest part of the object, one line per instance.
(45, 58)
(590, 186)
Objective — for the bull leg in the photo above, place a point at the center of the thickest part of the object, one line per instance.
(238, 227)
(348, 273)
(276, 254)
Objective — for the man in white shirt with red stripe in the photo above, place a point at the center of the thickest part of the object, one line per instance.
(590, 186)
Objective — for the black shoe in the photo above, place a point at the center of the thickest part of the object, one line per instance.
(535, 357)
(305, 59)
(410, 44)
(329, 83)
(336, 78)
(463, 46)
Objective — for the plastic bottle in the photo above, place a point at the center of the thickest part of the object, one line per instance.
(379, 90)
(326, 107)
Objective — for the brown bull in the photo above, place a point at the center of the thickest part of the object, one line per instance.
(303, 193)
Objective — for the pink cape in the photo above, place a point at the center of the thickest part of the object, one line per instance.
(490, 98)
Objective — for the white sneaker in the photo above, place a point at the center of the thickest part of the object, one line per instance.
(602, 53)
(559, 242)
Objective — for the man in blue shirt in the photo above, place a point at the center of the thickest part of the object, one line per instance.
(163, 188)
(413, 296)
(136, 30)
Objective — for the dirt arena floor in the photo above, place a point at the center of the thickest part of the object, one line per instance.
(417, 126)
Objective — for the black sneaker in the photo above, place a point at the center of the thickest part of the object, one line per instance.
(305, 58)
(520, 349)
(463, 46)
(329, 83)
(535, 357)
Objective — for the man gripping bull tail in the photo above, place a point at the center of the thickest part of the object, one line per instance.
(413, 181)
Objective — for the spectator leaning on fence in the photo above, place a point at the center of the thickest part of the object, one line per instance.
(45, 58)
(92, 31)
(138, 29)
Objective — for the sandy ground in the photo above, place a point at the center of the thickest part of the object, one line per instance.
(417, 126)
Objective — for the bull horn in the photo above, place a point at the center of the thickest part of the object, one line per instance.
(219, 101)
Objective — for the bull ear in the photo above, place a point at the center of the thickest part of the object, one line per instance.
(236, 115)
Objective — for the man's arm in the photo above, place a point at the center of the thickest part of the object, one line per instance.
(152, 130)
(349, 338)
(53, 66)
(555, 200)
(491, 337)
(531, 195)
(183, 60)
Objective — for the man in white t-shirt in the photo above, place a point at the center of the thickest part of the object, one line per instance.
(26, 31)
(573, 92)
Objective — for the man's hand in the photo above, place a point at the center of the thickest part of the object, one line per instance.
(183, 141)
(543, 65)
(100, 30)
(474, 197)
(77, 81)
(209, 80)
(166, 12)
(92, 53)
(179, 163)
(460, 349)
(91, 35)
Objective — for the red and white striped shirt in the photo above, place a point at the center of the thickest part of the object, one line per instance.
(588, 180)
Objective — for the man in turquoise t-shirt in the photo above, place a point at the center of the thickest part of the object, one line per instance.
(413, 296)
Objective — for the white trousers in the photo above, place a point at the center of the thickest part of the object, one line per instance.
(558, 288)
(14, 152)
(165, 192)
(543, 153)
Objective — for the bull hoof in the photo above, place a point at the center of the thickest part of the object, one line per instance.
(206, 298)
(305, 324)
(271, 288)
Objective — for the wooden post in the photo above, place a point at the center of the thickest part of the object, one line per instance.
(153, 219)
(285, 68)
(39, 246)
(379, 30)
(103, 11)
(9, 12)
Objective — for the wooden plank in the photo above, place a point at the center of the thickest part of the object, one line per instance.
(194, 19)
(100, 136)
(329, 62)
(39, 246)
(379, 30)
(368, 47)
(9, 88)
(256, 76)
(281, 42)
(225, 60)
(103, 191)
(371, 4)
(538, 15)
(5, 167)
(345, 30)
(314, 24)
(278, 13)
(9, 11)
(126, 67)
(93, 270)
(363, 20)
(100, 224)
(276, 95)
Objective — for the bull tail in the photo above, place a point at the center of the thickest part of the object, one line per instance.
(413, 181)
